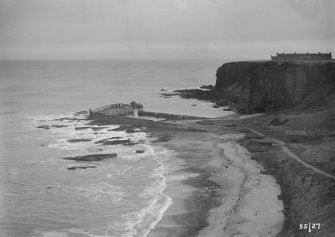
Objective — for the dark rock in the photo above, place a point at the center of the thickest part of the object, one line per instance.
(121, 128)
(194, 105)
(229, 125)
(208, 87)
(59, 126)
(93, 157)
(69, 119)
(44, 126)
(140, 151)
(50, 187)
(98, 128)
(100, 122)
(81, 128)
(115, 137)
(277, 122)
(205, 122)
(81, 167)
(215, 106)
(79, 140)
(211, 95)
(115, 142)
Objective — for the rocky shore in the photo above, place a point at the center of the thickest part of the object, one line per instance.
(226, 191)
(268, 174)
(223, 180)
(265, 86)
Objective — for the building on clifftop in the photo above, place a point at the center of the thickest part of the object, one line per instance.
(283, 57)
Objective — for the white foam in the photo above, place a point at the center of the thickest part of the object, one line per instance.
(94, 192)
(142, 222)
(60, 136)
(181, 177)
(134, 223)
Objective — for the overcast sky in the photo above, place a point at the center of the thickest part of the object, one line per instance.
(37, 29)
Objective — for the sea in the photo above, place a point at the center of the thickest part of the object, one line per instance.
(39, 195)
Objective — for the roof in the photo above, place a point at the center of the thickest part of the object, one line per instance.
(303, 54)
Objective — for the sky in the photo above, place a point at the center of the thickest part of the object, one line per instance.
(103, 29)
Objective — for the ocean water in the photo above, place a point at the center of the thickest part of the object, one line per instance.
(119, 197)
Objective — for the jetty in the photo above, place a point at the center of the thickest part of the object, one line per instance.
(127, 112)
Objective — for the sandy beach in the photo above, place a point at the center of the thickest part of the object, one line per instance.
(250, 205)
(216, 189)
(221, 184)
(220, 191)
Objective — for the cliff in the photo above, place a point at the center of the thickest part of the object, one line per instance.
(262, 86)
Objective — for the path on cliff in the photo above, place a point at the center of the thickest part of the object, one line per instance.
(288, 152)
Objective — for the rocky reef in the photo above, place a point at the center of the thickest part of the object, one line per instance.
(262, 86)
(93, 157)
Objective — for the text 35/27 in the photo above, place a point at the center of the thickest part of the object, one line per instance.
(310, 226)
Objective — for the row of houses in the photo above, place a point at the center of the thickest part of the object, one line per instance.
(282, 57)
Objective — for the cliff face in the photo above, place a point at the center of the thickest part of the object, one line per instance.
(267, 86)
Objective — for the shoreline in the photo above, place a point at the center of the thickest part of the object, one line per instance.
(209, 184)
(253, 209)
(305, 194)
(303, 166)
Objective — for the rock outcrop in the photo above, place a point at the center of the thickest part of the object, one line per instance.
(81, 167)
(93, 157)
(267, 86)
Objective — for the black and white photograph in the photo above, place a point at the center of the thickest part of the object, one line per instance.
(167, 118)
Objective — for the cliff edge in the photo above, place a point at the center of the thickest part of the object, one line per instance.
(263, 86)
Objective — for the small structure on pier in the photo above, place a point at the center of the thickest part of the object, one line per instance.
(283, 57)
(136, 107)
